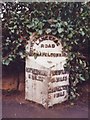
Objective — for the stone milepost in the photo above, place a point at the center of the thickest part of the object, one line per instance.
(46, 80)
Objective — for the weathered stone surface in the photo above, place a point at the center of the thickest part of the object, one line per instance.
(46, 81)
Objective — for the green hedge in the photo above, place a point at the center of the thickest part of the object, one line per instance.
(67, 21)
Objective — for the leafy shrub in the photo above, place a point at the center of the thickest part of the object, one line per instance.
(67, 21)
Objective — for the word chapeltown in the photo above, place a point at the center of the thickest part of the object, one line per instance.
(44, 54)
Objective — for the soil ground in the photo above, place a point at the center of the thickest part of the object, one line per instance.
(14, 105)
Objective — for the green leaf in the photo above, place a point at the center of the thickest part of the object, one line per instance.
(84, 64)
(80, 61)
(10, 28)
(15, 26)
(29, 26)
(48, 31)
(58, 24)
(82, 33)
(12, 31)
(30, 33)
(66, 23)
(70, 35)
(52, 25)
(60, 30)
(6, 62)
(40, 32)
(82, 78)
(75, 42)
(54, 33)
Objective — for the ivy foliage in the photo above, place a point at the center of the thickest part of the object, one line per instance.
(67, 21)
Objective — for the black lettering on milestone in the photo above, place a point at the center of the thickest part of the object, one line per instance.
(53, 46)
(29, 76)
(49, 46)
(27, 69)
(59, 88)
(36, 71)
(42, 46)
(65, 78)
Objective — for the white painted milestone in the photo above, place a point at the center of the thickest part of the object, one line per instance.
(46, 80)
